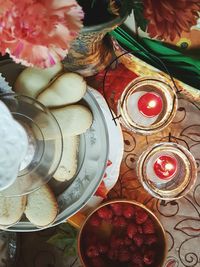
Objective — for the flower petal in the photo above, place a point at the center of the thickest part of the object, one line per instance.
(39, 38)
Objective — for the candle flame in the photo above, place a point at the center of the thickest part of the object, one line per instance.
(152, 104)
(166, 168)
(169, 167)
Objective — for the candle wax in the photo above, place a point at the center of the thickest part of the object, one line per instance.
(150, 104)
(134, 112)
(165, 167)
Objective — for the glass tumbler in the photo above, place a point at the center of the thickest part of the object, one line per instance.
(45, 144)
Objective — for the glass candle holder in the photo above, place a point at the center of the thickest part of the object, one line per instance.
(167, 170)
(45, 144)
(147, 105)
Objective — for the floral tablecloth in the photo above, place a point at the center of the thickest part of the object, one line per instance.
(181, 218)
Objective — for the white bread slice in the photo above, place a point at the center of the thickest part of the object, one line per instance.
(73, 119)
(42, 207)
(68, 165)
(11, 210)
(67, 89)
(31, 81)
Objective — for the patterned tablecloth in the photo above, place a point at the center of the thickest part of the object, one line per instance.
(180, 218)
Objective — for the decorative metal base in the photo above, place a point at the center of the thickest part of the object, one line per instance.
(92, 51)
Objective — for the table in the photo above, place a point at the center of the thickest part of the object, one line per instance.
(181, 218)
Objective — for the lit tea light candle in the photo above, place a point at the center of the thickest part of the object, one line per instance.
(135, 114)
(147, 105)
(150, 104)
(167, 170)
(165, 167)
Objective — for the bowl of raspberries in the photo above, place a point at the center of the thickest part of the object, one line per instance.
(122, 233)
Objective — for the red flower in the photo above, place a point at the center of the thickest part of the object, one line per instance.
(168, 18)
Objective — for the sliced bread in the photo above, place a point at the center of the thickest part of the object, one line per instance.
(68, 165)
(67, 89)
(42, 207)
(11, 210)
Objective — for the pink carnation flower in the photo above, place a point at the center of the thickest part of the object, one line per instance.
(38, 32)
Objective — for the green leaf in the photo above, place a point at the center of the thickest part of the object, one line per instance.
(65, 239)
(68, 229)
(58, 240)
(126, 6)
(139, 16)
(93, 2)
(184, 68)
(71, 250)
(67, 245)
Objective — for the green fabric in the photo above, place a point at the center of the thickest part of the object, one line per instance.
(184, 68)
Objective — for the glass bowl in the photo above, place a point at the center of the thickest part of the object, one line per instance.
(45, 144)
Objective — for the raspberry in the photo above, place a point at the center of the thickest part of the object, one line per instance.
(141, 264)
(109, 162)
(117, 209)
(150, 239)
(148, 227)
(127, 241)
(102, 248)
(90, 239)
(116, 242)
(128, 211)
(141, 216)
(92, 251)
(112, 254)
(131, 230)
(133, 248)
(102, 191)
(119, 222)
(105, 213)
(124, 255)
(138, 239)
(149, 257)
(139, 229)
(98, 262)
(95, 220)
(137, 258)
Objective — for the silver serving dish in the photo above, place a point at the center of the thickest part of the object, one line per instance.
(92, 158)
